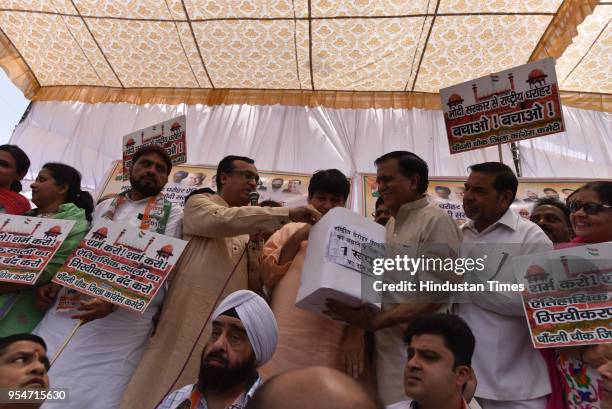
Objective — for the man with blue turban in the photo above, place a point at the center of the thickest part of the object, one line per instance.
(244, 335)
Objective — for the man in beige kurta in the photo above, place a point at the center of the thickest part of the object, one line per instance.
(416, 222)
(217, 228)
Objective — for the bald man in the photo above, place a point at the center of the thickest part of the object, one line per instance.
(315, 387)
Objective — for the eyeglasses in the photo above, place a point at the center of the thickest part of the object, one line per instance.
(247, 174)
(589, 207)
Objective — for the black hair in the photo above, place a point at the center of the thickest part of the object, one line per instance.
(603, 189)
(227, 166)
(409, 164)
(67, 175)
(505, 179)
(549, 189)
(445, 188)
(550, 201)
(22, 163)
(330, 181)
(6, 342)
(457, 335)
(199, 192)
(270, 203)
(379, 202)
(156, 149)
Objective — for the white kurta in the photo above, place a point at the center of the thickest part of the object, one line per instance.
(507, 366)
(99, 361)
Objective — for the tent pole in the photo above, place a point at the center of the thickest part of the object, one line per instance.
(516, 157)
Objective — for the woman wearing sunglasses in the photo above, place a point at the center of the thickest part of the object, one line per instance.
(591, 213)
(578, 384)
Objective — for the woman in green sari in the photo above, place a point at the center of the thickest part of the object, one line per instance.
(57, 194)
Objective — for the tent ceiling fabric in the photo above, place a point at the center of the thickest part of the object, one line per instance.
(316, 45)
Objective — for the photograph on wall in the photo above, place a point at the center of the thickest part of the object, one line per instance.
(285, 188)
(449, 192)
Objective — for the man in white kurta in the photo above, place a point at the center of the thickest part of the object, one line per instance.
(511, 373)
(100, 359)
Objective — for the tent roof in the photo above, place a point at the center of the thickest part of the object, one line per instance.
(154, 51)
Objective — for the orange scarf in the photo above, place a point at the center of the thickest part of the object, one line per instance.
(13, 202)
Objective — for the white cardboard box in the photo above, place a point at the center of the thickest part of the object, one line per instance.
(324, 278)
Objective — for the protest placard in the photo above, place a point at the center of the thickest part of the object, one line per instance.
(509, 106)
(169, 134)
(568, 295)
(27, 244)
(122, 265)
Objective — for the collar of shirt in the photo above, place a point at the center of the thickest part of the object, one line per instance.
(242, 400)
(509, 219)
(464, 405)
(129, 199)
(217, 199)
(407, 208)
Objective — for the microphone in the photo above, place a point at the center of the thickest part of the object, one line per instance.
(254, 198)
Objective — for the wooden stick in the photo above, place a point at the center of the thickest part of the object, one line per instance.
(61, 349)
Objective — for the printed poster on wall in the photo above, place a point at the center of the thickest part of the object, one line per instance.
(508, 106)
(122, 265)
(27, 244)
(448, 193)
(169, 134)
(568, 295)
(288, 189)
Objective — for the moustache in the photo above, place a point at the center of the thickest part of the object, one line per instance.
(216, 355)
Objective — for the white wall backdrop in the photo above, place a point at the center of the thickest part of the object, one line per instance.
(301, 139)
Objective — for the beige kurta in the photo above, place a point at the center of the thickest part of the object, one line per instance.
(304, 338)
(217, 237)
(420, 222)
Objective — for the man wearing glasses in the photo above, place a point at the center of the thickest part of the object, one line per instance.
(214, 264)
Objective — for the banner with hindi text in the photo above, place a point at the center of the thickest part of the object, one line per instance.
(122, 265)
(568, 295)
(27, 244)
(169, 134)
(508, 106)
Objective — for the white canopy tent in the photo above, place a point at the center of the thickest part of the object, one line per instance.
(298, 85)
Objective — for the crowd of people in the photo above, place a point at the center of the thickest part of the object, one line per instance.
(224, 331)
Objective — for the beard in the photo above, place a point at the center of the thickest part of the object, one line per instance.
(220, 378)
(145, 189)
